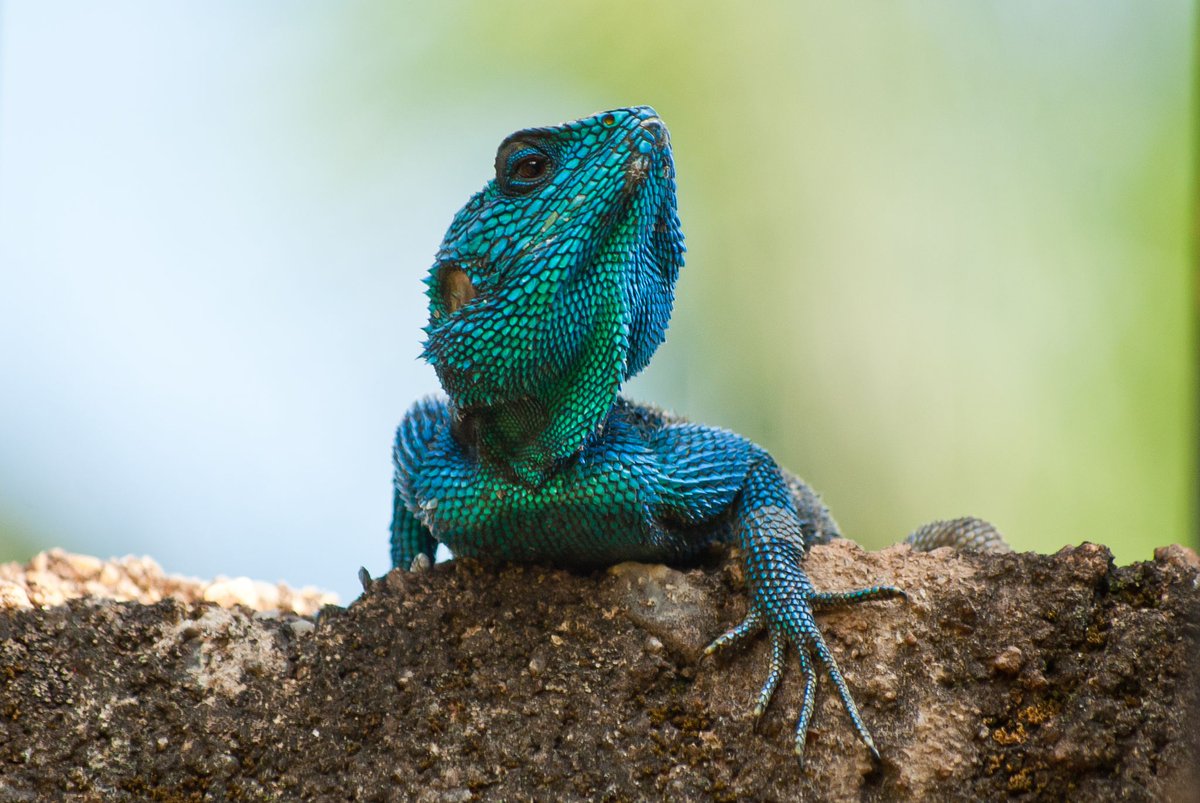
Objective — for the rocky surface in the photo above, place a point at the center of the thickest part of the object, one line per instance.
(1019, 676)
(55, 576)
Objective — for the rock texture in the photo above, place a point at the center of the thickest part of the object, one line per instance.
(55, 576)
(1021, 676)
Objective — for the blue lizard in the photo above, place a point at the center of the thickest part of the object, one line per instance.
(553, 285)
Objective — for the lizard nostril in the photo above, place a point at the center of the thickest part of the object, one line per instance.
(455, 287)
(656, 129)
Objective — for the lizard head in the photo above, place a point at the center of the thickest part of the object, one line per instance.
(555, 282)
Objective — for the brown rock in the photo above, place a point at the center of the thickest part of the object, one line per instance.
(1035, 676)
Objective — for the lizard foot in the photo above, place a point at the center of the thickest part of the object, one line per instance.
(790, 621)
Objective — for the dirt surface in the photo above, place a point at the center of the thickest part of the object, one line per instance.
(1019, 677)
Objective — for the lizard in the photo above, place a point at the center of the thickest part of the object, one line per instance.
(553, 285)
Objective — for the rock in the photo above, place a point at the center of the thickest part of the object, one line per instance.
(1043, 676)
(55, 576)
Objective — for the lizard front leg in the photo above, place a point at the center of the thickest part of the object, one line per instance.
(770, 531)
(412, 544)
(783, 599)
(710, 474)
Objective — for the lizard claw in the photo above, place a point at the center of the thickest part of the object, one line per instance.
(749, 626)
(791, 622)
(364, 577)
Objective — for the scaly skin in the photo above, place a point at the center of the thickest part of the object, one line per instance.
(554, 285)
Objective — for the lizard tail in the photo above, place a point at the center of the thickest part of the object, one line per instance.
(967, 533)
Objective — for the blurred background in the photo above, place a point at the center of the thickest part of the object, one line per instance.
(939, 256)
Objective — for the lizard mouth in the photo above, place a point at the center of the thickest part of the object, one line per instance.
(454, 287)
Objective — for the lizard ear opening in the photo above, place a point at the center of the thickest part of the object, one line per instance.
(454, 287)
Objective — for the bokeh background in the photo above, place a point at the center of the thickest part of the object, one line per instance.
(940, 256)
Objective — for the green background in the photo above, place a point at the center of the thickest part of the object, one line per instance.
(939, 252)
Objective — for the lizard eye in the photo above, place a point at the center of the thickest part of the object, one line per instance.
(520, 167)
(532, 167)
